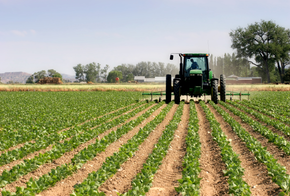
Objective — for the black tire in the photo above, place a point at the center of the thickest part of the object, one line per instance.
(223, 88)
(168, 88)
(214, 91)
(176, 87)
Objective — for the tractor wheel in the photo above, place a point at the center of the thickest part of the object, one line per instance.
(223, 88)
(214, 91)
(168, 88)
(176, 87)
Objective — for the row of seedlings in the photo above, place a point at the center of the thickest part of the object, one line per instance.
(59, 149)
(265, 110)
(12, 137)
(276, 139)
(143, 180)
(95, 179)
(190, 182)
(275, 170)
(47, 140)
(34, 186)
(235, 172)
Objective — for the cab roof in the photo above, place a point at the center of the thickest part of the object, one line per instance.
(195, 54)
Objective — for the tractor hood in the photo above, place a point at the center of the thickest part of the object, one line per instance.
(195, 71)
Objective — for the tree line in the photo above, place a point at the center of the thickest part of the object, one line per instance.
(34, 78)
(93, 72)
(266, 46)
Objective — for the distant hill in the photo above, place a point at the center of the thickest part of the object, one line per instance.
(68, 77)
(20, 77)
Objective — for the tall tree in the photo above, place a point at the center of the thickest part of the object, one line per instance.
(80, 72)
(91, 71)
(104, 72)
(259, 41)
(54, 74)
(39, 75)
(113, 75)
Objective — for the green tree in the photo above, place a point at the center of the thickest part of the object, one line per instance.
(287, 75)
(80, 72)
(30, 80)
(130, 77)
(113, 75)
(91, 72)
(54, 74)
(104, 72)
(39, 75)
(260, 41)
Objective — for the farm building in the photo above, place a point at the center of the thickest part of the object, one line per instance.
(233, 79)
(141, 79)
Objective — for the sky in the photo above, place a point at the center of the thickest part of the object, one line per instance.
(59, 34)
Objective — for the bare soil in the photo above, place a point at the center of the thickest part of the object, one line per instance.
(213, 180)
(255, 174)
(66, 186)
(170, 170)
(66, 158)
(36, 153)
(282, 158)
(121, 181)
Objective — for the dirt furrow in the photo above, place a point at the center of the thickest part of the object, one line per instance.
(66, 186)
(256, 174)
(32, 141)
(66, 158)
(121, 181)
(213, 180)
(278, 154)
(170, 170)
(36, 153)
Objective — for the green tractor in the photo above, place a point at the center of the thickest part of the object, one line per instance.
(194, 79)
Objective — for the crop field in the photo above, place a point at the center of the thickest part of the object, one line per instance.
(116, 143)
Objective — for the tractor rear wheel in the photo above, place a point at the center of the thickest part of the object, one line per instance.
(223, 88)
(168, 88)
(176, 87)
(214, 91)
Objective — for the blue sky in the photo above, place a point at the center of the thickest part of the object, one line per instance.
(58, 34)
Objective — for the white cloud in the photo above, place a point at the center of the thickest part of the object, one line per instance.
(32, 31)
(19, 33)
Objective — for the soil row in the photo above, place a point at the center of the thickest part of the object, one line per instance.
(213, 182)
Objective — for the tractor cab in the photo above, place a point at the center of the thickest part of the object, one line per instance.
(194, 78)
(196, 70)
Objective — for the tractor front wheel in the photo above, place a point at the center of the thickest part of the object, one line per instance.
(176, 87)
(214, 91)
(223, 88)
(168, 88)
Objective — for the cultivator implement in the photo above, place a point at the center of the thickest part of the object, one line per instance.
(232, 94)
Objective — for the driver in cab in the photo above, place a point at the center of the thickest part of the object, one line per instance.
(194, 64)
